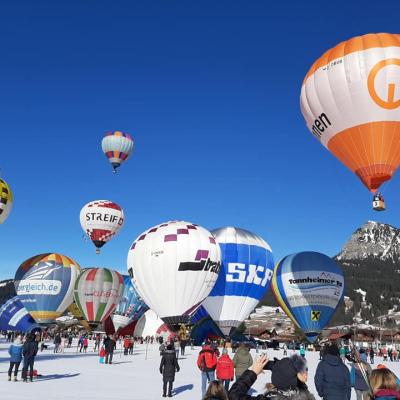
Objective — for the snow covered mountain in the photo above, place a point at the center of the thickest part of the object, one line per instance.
(372, 240)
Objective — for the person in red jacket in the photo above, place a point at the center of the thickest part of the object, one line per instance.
(207, 362)
(126, 345)
(225, 369)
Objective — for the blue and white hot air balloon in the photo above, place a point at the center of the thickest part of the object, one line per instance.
(308, 286)
(247, 268)
(15, 317)
(130, 308)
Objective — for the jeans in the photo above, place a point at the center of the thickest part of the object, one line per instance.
(170, 383)
(28, 363)
(361, 395)
(56, 346)
(226, 383)
(177, 354)
(206, 377)
(12, 365)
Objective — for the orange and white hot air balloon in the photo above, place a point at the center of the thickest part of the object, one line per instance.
(350, 99)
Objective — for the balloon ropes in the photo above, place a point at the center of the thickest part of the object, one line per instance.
(185, 258)
(308, 286)
(348, 99)
(245, 277)
(6, 200)
(97, 293)
(45, 284)
(101, 220)
(117, 146)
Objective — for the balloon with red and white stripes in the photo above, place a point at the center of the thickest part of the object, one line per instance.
(101, 220)
(97, 293)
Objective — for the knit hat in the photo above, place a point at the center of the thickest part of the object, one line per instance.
(224, 351)
(284, 374)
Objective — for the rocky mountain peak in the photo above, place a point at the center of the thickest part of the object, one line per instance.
(372, 240)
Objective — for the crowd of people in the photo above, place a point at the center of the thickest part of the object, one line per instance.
(225, 377)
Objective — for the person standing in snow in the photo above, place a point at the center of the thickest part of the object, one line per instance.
(207, 363)
(332, 378)
(109, 346)
(177, 347)
(371, 355)
(242, 359)
(357, 379)
(168, 366)
(57, 342)
(15, 352)
(225, 369)
(29, 351)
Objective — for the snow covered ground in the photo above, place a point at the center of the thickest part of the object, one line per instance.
(75, 375)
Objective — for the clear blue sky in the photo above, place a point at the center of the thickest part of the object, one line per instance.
(210, 92)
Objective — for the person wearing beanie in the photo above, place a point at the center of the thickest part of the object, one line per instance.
(332, 378)
(357, 379)
(289, 377)
(225, 369)
(15, 352)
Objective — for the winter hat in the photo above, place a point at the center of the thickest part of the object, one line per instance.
(224, 351)
(333, 350)
(284, 374)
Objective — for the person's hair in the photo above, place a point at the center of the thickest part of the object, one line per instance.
(216, 389)
(383, 378)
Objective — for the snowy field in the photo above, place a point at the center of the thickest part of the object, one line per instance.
(75, 375)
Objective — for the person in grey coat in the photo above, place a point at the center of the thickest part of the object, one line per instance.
(332, 378)
(168, 366)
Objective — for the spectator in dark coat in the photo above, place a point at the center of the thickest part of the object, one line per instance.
(109, 346)
(168, 366)
(29, 352)
(332, 378)
(358, 382)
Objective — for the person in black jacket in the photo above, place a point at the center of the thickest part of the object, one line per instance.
(109, 346)
(168, 366)
(332, 378)
(29, 352)
(288, 378)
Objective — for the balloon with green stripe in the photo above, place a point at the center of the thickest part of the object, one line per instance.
(97, 292)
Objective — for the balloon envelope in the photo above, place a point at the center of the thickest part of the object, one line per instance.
(117, 146)
(245, 277)
(6, 200)
(130, 308)
(97, 292)
(45, 284)
(308, 286)
(15, 317)
(174, 266)
(349, 103)
(101, 220)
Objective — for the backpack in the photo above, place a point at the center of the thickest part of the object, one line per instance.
(207, 360)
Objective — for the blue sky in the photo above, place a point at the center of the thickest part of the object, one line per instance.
(210, 92)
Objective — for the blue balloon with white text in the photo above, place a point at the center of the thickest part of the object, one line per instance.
(245, 276)
(15, 317)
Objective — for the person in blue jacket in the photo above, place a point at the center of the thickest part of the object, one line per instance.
(15, 352)
(332, 378)
(358, 379)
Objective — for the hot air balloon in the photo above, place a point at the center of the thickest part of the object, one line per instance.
(174, 266)
(45, 284)
(351, 105)
(15, 317)
(6, 200)
(97, 292)
(247, 268)
(117, 146)
(101, 220)
(308, 286)
(130, 308)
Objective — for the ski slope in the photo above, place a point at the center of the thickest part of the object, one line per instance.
(75, 375)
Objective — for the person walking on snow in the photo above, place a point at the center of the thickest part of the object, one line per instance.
(225, 369)
(242, 360)
(29, 352)
(207, 363)
(332, 378)
(15, 352)
(109, 346)
(168, 366)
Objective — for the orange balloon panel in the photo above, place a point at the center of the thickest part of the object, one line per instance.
(350, 100)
